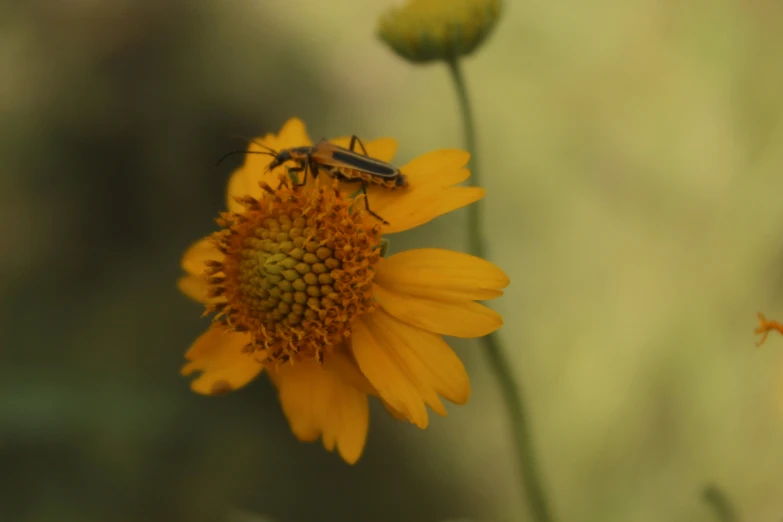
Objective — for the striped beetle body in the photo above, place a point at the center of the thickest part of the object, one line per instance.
(346, 165)
(343, 164)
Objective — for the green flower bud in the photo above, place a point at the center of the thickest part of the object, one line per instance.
(427, 30)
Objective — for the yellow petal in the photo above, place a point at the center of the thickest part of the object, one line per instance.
(218, 355)
(197, 254)
(303, 398)
(394, 413)
(344, 366)
(195, 284)
(435, 161)
(399, 336)
(427, 360)
(456, 318)
(293, 133)
(209, 345)
(318, 402)
(441, 275)
(419, 189)
(236, 188)
(245, 180)
(432, 171)
(423, 209)
(383, 149)
(197, 288)
(350, 422)
(430, 192)
(375, 357)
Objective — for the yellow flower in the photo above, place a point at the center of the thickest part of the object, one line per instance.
(426, 30)
(299, 289)
(765, 327)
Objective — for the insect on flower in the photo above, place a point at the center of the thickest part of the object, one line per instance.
(346, 165)
(300, 291)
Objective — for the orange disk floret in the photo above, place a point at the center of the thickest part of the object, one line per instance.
(298, 268)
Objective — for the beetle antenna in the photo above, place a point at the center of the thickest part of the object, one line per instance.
(253, 140)
(269, 151)
(227, 154)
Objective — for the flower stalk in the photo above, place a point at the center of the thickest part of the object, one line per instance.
(719, 503)
(510, 389)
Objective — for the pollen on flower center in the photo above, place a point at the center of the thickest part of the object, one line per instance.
(298, 268)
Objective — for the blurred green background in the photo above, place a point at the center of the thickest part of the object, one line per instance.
(633, 156)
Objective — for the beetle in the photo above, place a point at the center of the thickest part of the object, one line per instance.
(346, 165)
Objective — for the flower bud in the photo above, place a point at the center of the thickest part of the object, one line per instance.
(427, 30)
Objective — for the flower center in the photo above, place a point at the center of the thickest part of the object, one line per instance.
(298, 268)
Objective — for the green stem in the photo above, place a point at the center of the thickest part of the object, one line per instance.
(475, 227)
(512, 395)
(719, 504)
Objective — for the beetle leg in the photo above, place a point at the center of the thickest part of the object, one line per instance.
(293, 176)
(367, 199)
(304, 166)
(383, 246)
(314, 170)
(354, 140)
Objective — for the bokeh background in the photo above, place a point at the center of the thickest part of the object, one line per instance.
(633, 156)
